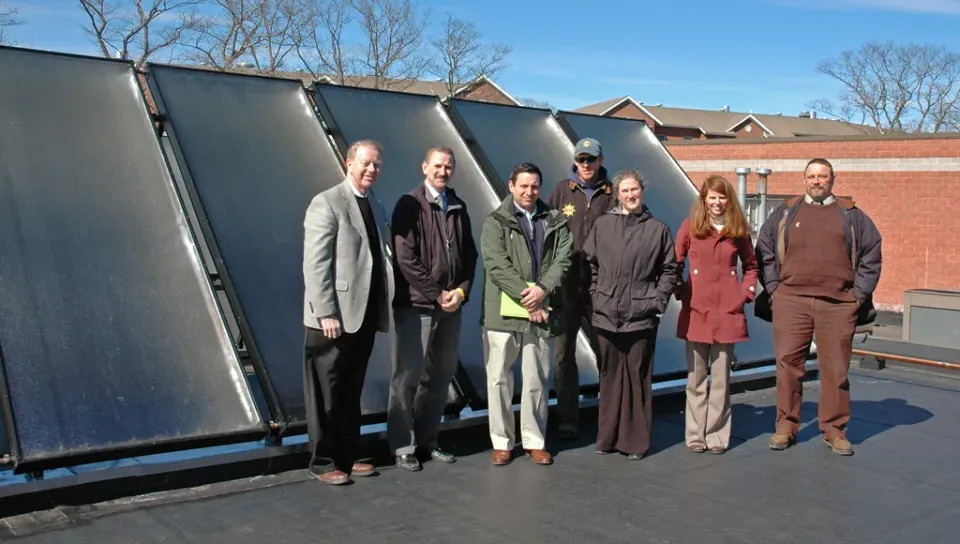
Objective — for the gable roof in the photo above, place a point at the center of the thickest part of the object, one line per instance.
(723, 123)
(414, 86)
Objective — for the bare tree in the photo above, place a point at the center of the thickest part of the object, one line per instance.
(462, 57)
(320, 44)
(138, 29)
(281, 23)
(8, 18)
(226, 35)
(393, 32)
(897, 88)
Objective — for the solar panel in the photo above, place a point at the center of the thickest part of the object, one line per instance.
(255, 155)
(110, 338)
(407, 125)
(670, 193)
(509, 135)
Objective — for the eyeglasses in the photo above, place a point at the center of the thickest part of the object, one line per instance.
(586, 159)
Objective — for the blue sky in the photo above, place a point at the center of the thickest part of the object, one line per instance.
(757, 55)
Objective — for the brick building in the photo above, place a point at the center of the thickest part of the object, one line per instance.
(692, 124)
(482, 89)
(908, 184)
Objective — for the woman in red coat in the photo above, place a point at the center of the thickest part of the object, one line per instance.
(714, 238)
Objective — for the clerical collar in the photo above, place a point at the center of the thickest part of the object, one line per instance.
(826, 202)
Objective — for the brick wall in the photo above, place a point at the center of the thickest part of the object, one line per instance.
(485, 92)
(909, 186)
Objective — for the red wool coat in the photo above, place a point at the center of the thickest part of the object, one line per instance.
(713, 296)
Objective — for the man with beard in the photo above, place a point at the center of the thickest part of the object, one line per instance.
(586, 195)
(819, 259)
(436, 257)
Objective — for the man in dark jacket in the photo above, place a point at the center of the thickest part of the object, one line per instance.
(820, 260)
(583, 197)
(436, 258)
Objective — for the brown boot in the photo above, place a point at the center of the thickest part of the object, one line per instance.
(782, 440)
(840, 445)
(500, 457)
(540, 457)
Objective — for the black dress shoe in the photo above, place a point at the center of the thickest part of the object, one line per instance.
(409, 462)
(442, 456)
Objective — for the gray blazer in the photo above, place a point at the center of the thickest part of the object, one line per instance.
(336, 262)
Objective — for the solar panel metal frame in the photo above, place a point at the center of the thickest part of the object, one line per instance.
(281, 423)
(583, 344)
(40, 463)
(562, 118)
(462, 383)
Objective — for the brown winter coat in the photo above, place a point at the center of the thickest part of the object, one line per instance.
(713, 297)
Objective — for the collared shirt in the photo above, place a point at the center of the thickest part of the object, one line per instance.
(356, 191)
(437, 196)
(826, 202)
(528, 215)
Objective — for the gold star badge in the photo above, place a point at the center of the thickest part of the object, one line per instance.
(568, 210)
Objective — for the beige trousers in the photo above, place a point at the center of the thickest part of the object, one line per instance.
(708, 410)
(501, 350)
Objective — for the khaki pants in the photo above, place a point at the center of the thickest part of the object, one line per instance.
(708, 409)
(796, 320)
(501, 349)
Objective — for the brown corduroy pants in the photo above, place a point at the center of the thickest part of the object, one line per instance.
(797, 320)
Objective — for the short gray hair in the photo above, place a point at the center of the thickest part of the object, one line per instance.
(372, 144)
(628, 174)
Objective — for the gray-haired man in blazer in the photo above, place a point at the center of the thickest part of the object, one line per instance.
(349, 286)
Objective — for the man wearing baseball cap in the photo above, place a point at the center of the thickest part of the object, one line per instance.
(583, 197)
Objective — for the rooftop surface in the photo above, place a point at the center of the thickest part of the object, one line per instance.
(901, 486)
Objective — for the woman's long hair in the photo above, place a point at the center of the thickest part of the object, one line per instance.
(735, 224)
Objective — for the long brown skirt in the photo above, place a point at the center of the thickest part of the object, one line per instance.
(626, 361)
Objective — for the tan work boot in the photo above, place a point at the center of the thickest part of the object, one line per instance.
(782, 440)
(840, 445)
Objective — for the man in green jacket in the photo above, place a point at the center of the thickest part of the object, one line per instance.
(526, 248)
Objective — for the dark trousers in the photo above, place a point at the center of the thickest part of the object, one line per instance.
(796, 321)
(333, 374)
(566, 377)
(625, 418)
(427, 346)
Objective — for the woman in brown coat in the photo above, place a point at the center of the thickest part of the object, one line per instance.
(711, 319)
(633, 272)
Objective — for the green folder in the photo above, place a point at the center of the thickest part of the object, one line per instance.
(512, 308)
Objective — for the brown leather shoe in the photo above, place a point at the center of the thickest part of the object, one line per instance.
(500, 457)
(362, 469)
(839, 445)
(540, 457)
(697, 448)
(717, 449)
(782, 440)
(334, 477)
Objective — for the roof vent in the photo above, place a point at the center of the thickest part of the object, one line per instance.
(805, 114)
(778, 113)
(725, 108)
